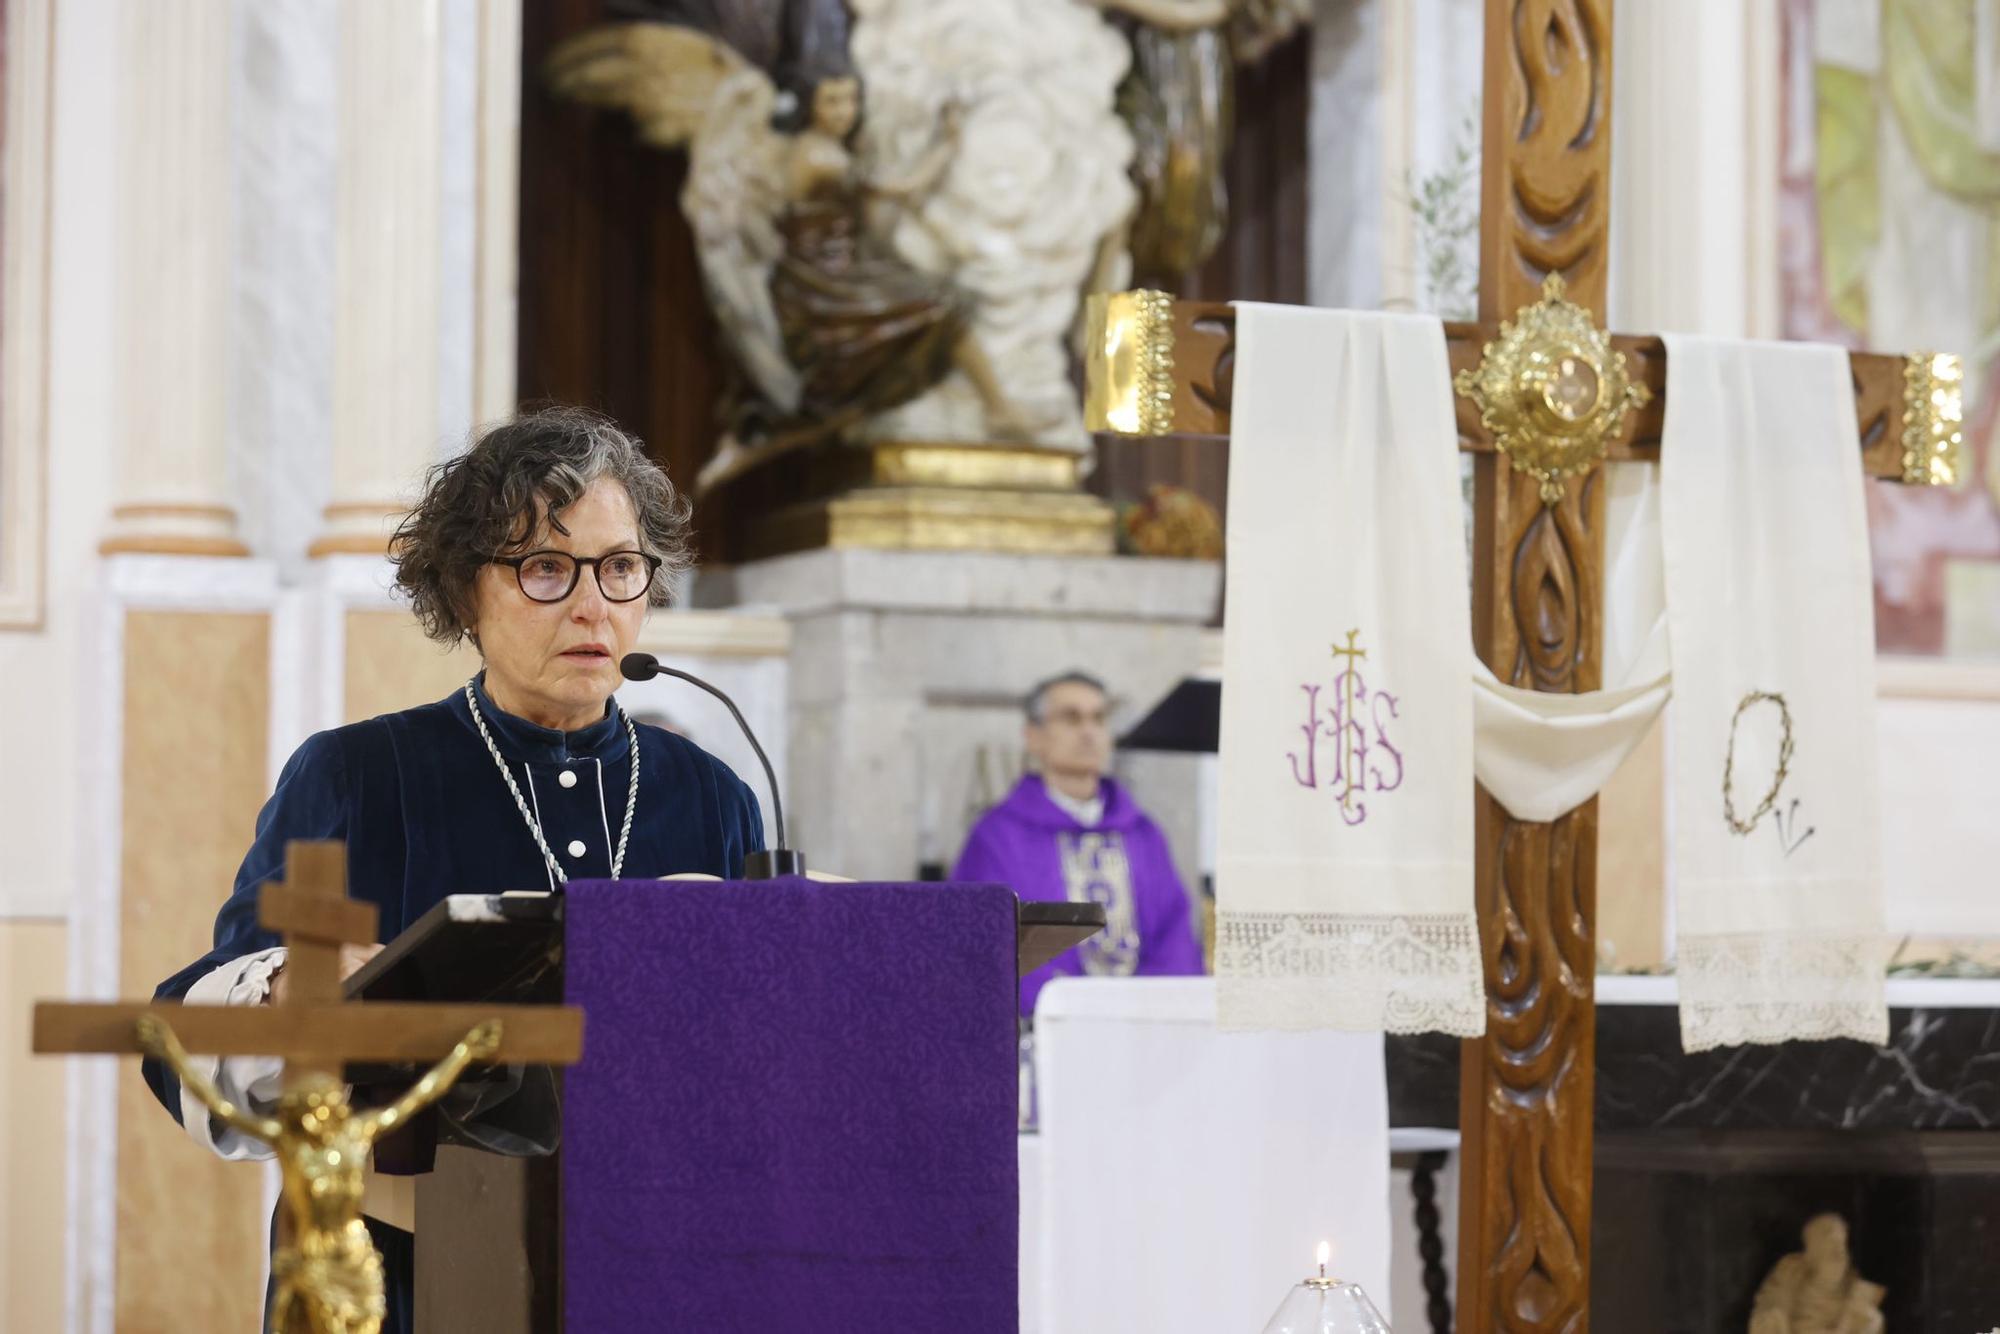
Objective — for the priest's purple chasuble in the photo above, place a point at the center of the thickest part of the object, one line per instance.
(795, 1110)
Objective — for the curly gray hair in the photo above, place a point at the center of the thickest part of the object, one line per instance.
(491, 500)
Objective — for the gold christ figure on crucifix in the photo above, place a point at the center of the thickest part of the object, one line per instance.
(328, 1276)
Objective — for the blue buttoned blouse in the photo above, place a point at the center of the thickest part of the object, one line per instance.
(425, 813)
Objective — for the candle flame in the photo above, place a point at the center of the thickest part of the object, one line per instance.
(1325, 1254)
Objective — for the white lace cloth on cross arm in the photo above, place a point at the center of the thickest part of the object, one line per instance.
(1344, 840)
(1776, 820)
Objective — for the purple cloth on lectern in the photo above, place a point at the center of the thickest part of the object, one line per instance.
(1038, 850)
(795, 1110)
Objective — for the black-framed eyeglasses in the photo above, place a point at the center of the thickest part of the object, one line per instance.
(550, 576)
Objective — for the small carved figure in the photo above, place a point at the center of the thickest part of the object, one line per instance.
(1816, 1290)
(328, 1276)
(1179, 101)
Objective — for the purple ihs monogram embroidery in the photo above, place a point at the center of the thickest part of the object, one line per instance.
(1356, 721)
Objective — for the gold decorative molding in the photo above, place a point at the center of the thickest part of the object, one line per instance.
(1933, 419)
(1009, 467)
(927, 495)
(150, 510)
(171, 544)
(1551, 390)
(926, 518)
(357, 528)
(351, 544)
(1129, 362)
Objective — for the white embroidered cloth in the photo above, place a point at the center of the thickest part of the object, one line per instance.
(1344, 843)
(1776, 823)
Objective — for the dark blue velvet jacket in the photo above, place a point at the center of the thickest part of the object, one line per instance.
(425, 813)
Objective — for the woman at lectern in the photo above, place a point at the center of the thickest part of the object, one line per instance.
(545, 544)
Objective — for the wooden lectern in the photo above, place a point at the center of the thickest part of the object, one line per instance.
(490, 1228)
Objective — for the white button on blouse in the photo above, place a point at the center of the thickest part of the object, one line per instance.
(567, 778)
(576, 847)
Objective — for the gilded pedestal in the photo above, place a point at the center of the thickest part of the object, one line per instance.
(906, 496)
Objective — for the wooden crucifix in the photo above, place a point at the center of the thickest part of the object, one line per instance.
(328, 1275)
(1163, 367)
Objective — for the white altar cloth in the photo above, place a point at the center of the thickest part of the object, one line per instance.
(1183, 1176)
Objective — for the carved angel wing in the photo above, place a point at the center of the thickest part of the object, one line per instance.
(734, 193)
(683, 86)
(666, 76)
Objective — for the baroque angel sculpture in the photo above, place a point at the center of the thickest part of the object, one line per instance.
(916, 272)
(327, 1274)
(829, 324)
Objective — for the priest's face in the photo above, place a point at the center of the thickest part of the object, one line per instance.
(1073, 738)
(556, 663)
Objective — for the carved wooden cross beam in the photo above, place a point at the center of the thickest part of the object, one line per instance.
(1165, 367)
(313, 1029)
(1193, 345)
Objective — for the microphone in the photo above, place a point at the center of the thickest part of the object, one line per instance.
(773, 862)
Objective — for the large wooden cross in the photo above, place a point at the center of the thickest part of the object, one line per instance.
(1526, 1088)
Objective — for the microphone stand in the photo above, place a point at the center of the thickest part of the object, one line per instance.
(773, 862)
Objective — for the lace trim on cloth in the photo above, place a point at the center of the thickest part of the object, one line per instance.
(1776, 988)
(1392, 973)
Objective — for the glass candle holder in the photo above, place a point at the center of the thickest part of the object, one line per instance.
(1327, 1306)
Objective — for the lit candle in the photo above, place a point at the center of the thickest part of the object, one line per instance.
(1322, 1305)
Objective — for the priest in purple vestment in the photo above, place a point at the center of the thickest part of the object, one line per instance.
(1067, 831)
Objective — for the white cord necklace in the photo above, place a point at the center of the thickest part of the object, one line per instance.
(534, 825)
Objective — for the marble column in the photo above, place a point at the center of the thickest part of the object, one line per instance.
(497, 210)
(172, 265)
(1694, 172)
(385, 396)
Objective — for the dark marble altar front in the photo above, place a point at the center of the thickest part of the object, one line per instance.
(1687, 1223)
(1707, 1165)
(1940, 1071)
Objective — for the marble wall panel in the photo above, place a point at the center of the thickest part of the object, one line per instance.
(854, 787)
(391, 666)
(1939, 1072)
(969, 755)
(191, 1229)
(34, 1101)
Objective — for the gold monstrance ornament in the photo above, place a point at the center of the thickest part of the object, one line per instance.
(328, 1276)
(1551, 390)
